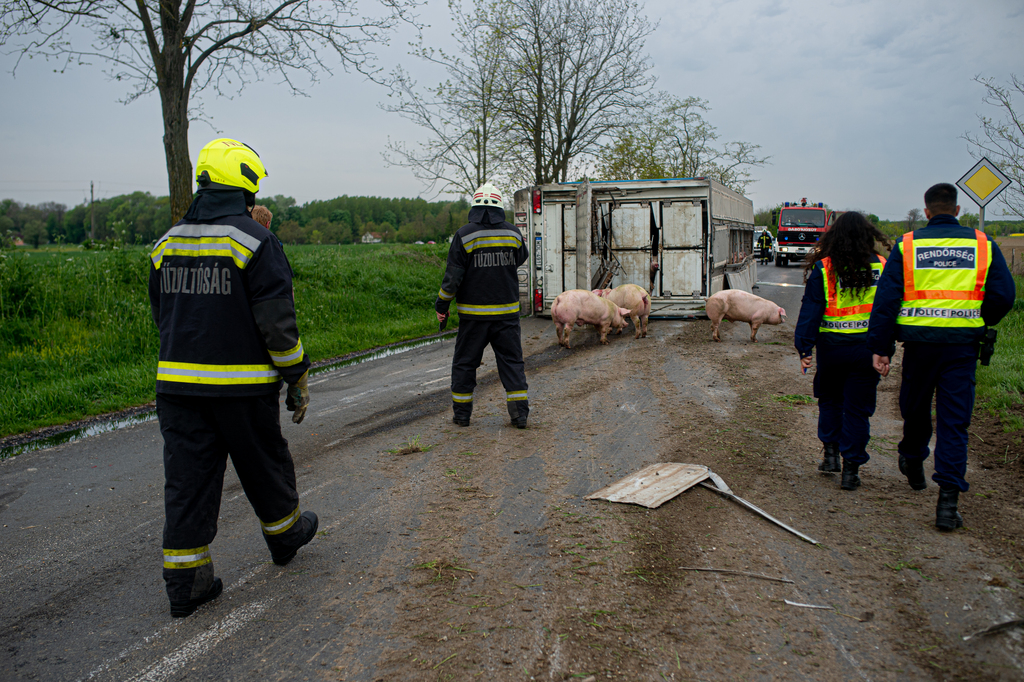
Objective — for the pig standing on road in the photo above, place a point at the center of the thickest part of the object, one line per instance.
(634, 297)
(739, 306)
(579, 306)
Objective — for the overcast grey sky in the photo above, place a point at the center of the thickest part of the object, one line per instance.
(860, 105)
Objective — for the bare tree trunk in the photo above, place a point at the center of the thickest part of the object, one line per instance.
(174, 101)
(179, 165)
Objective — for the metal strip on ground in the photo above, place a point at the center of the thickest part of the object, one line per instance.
(654, 485)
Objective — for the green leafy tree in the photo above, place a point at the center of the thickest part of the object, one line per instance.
(34, 233)
(671, 138)
(291, 233)
(763, 217)
(6, 232)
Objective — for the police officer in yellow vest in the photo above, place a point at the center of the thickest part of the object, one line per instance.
(942, 286)
(840, 277)
(221, 292)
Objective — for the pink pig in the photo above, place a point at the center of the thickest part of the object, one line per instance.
(739, 306)
(579, 307)
(634, 297)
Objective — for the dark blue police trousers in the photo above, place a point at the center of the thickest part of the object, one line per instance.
(944, 372)
(845, 384)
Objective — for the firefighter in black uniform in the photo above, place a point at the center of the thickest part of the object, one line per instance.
(482, 276)
(764, 245)
(221, 291)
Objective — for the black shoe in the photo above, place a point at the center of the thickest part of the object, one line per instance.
(830, 464)
(519, 423)
(851, 479)
(914, 471)
(311, 524)
(946, 515)
(181, 609)
(460, 422)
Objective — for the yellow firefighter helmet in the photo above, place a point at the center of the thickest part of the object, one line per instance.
(229, 163)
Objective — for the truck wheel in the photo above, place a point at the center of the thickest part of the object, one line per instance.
(781, 262)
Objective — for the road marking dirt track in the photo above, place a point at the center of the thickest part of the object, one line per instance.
(551, 583)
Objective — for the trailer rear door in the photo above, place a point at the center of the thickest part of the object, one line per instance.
(683, 249)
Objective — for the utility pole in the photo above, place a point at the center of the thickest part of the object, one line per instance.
(92, 213)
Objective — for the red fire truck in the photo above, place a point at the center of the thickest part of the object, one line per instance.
(800, 226)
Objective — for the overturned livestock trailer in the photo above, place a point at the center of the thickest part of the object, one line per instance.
(681, 239)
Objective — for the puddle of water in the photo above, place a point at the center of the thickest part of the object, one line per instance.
(75, 434)
(71, 435)
(385, 352)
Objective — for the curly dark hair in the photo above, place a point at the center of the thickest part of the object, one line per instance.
(850, 243)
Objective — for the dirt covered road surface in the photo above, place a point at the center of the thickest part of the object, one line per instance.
(451, 553)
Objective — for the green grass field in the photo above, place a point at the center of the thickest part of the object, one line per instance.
(77, 338)
(1001, 384)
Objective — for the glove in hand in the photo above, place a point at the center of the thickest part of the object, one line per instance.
(298, 398)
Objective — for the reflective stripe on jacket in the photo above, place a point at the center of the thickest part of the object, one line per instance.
(944, 281)
(847, 311)
(481, 274)
(221, 293)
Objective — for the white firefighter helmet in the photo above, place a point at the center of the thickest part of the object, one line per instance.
(487, 195)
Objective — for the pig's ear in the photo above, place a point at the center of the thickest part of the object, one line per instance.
(596, 292)
(623, 311)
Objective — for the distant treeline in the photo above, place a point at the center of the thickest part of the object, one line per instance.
(141, 218)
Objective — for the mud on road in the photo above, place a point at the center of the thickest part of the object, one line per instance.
(509, 574)
(450, 553)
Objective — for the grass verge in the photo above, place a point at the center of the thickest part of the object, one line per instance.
(77, 338)
(1001, 384)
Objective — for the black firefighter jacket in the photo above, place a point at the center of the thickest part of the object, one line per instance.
(221, 293)
(483, 261)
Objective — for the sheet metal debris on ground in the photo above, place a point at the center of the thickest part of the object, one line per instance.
(656, 484)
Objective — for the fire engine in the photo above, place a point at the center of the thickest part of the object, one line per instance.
(800, 226)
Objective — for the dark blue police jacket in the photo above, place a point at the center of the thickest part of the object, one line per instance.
(882, 328)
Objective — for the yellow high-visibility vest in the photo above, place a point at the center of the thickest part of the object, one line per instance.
(944, 281)
(847, 310)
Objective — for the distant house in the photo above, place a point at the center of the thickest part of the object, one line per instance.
(372, 238)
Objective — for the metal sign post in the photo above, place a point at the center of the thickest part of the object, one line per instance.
(983, 183)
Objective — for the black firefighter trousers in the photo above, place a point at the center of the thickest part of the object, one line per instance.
(504, 338)
(199, 434)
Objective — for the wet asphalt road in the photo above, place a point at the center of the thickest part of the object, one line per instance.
(80, 533)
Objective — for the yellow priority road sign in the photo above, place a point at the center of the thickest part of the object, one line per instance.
(983, 182)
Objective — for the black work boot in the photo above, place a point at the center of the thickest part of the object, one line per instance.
(830, 464)
(461, 413)
(205, 587)
(913, 469)
(518, 412)
(851, 478)
(310, 523)
(946, 515)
